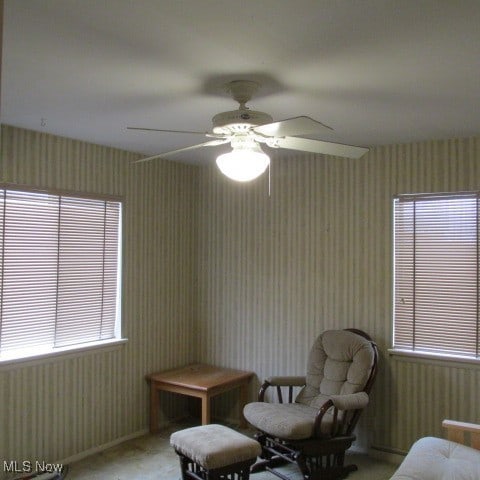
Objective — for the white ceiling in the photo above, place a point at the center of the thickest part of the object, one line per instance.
(377, 71)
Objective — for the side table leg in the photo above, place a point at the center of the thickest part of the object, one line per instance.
(242, 402)
(205, 409)
(154, 407)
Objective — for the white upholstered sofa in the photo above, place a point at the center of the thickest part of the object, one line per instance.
(457, 458)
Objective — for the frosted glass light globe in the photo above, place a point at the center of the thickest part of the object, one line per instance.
(243, 164)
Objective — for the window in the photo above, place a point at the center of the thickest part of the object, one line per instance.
(436, 264)
(59, 271)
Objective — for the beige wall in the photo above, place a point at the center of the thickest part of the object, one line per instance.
(69, 405)
(275, 272)
(220, 272)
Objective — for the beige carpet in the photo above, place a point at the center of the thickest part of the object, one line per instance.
(151, 457)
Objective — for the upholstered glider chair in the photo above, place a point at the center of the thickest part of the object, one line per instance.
(316, 429)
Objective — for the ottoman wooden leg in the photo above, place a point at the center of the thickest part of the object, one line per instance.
(237, 471)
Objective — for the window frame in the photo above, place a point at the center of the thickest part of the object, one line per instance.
(79, 348)
(426, 354)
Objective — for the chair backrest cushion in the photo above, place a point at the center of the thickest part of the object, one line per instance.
(339, 363)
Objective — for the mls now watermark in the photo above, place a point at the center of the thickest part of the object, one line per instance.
(29, 467)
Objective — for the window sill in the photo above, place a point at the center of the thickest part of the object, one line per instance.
(436, 358)
(62, 353)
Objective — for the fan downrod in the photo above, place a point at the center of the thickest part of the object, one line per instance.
(242, 91)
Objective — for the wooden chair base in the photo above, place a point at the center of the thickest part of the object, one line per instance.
(322, 465)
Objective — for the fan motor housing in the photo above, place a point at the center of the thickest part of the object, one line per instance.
(239, 121)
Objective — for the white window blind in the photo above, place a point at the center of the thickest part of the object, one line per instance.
(59, 271)
(436, 262)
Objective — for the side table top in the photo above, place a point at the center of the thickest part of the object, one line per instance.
(200, 376)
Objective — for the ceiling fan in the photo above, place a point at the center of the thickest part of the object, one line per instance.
(246, 130)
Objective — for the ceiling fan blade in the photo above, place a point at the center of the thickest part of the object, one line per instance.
(166, 131)
(292, 126)
(318, 146)
(211, 143)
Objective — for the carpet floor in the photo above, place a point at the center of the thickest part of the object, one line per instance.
(151, 457)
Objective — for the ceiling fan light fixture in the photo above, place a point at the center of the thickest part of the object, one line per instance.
(246, 129)
(243, 164)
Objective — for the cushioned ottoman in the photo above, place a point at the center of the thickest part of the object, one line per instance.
(432, 458)
(212, 452)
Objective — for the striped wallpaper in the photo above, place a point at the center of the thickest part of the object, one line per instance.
(68, 405)
(276, 271)
(221, 272)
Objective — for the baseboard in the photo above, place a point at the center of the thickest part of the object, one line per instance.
(357, 449)
(104, 446)
(113, 443)
(386, 455)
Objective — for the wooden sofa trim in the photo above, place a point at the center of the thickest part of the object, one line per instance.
(463, 432)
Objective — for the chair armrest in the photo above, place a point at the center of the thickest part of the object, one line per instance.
(352, 401)
(294, 381)
(460, 431)
(289, 381)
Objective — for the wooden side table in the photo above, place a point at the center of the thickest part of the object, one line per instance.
(197, 380)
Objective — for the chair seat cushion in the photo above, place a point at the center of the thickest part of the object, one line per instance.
(432, 458)
(214, 446)
(289, 421)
